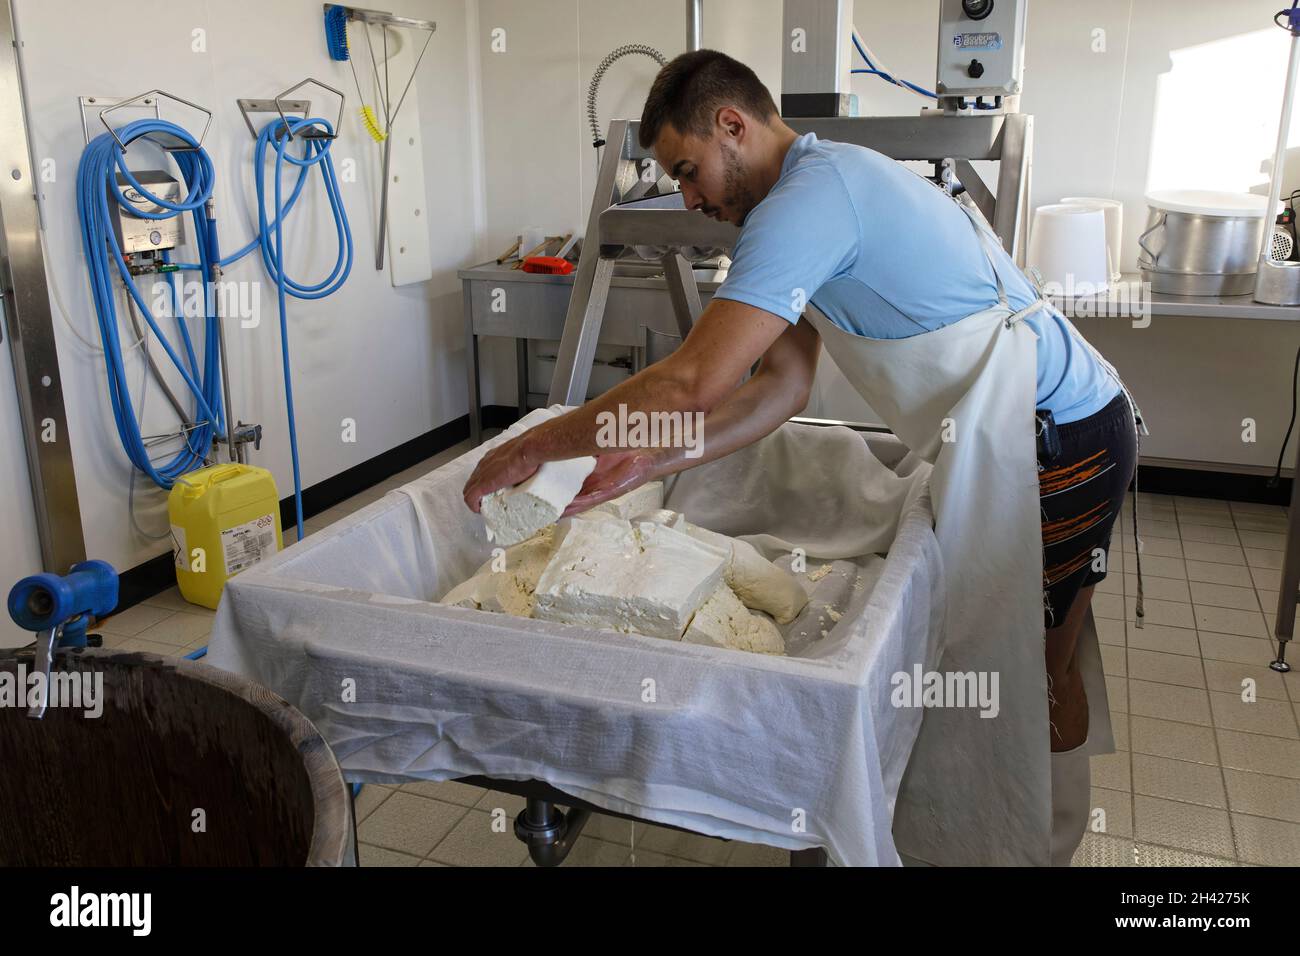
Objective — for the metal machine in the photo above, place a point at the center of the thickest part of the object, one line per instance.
(981, 51)
(981, 54)
(134, 232)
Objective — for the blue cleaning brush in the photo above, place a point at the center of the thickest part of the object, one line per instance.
(336, 31)
(336, 38)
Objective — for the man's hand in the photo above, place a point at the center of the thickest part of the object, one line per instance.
(616, 474)
(503, 467)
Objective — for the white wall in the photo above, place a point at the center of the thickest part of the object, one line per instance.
(392, 359)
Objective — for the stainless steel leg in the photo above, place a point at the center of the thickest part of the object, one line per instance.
(1284, 629)
(1010, 214)
(382, 234)
(587, 306)
(683, 291)
(581, 333)
(977, 189)
(521, 374)
(471, 369)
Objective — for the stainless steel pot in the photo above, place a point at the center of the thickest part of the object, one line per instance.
(1193, 254)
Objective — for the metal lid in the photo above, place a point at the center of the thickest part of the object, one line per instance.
(1207, 202)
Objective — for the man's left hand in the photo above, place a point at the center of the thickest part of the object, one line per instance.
(616, 474)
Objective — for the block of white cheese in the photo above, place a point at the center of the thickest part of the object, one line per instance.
(723, 621)
(506, 584)
(648, 497)
(758, 582)
(638, 578)
(516, 514)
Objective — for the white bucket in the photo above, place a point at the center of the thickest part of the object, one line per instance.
(1114, 210)
(1067, 246)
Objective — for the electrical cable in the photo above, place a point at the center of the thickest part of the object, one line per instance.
(878, 68)
(1295, 379)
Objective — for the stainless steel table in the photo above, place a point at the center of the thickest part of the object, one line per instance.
(511, 303)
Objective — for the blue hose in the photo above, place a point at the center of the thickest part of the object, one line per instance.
(97, 174)
(316, 152)
(269, 241)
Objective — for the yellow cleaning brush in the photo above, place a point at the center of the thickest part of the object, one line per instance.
(372, 125)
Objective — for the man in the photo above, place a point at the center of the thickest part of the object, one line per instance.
(889, 262)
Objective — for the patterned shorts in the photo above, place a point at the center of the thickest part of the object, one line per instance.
(1081, 492)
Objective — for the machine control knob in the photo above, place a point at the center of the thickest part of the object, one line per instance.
(975, 70)
(977, 9)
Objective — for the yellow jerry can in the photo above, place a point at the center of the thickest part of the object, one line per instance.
(224, 518)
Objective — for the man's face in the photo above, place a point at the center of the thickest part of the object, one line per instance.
(711, 171)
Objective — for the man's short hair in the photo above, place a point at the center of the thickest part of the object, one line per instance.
(692, 87)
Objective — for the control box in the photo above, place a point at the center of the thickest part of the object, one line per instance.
(137, 234)
(981, 48)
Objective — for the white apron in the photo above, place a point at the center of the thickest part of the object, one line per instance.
(977, 790)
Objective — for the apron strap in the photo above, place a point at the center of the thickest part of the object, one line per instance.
(985, 239)
(988, 243)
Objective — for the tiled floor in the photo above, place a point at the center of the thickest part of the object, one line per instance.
(1208, 767)
(1208, 770)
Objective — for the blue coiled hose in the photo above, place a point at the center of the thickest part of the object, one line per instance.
(97, 173)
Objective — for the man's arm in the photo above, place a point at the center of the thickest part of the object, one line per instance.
(776, 392)
(728, 339)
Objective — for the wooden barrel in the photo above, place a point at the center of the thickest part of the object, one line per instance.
(186, 765)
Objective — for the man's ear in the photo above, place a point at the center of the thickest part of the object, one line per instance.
(731, 122)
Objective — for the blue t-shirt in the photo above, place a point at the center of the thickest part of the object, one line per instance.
(885, 254)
